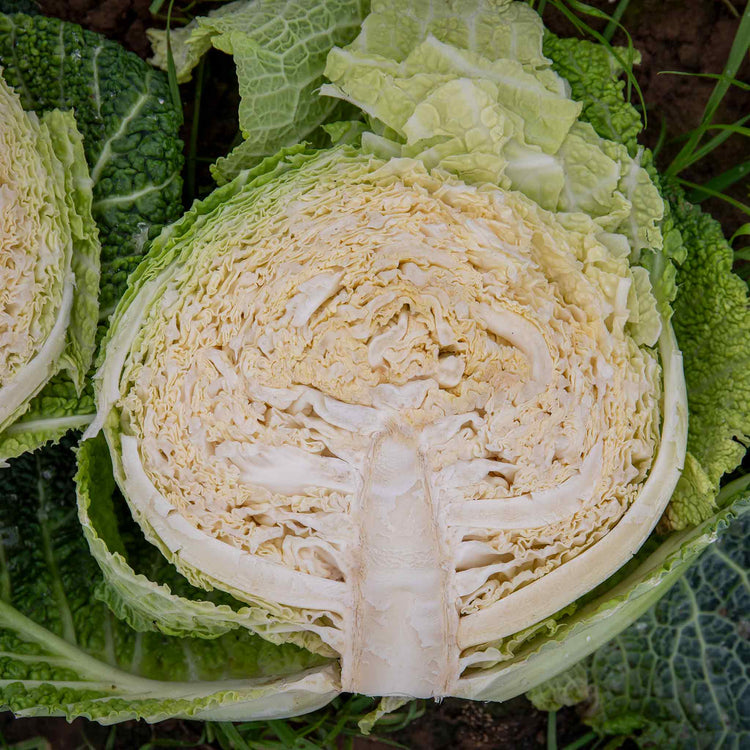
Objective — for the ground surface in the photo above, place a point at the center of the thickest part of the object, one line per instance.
(686, 35)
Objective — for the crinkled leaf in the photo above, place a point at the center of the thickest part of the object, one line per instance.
(712, 324)
(345, 132)
(678, 678)
(494, 29)
(594, 77)
(567, 689)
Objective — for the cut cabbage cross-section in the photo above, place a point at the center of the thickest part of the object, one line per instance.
(49, 255)
(403, 415)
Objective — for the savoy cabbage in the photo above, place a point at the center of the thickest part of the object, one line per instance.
(397, 416)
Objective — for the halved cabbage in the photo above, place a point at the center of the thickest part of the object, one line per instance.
(401, 416)
(49, 255)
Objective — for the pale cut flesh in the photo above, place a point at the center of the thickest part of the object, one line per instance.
(392, 409)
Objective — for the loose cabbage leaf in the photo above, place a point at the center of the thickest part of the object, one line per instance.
(129, 126)
(65, 654)
(495, 29)
(279, 48)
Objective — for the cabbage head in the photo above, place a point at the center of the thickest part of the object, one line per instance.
(409, 409)
(49, 256)
(404, 415)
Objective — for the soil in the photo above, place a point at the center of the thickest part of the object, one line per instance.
(450, 725)
(687, 35)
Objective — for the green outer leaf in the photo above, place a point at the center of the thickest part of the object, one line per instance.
(712, 324)
(30, 7)
(679, 676)
(129, 129)
(63, 653)
(567, 689)
(227, 168)
(592, 74)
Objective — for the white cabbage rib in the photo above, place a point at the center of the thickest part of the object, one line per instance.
(397, 411)
(26, 382)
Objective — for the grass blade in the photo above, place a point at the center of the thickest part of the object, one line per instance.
(713, 76)
(191, 160)
(614, 21)
(743, 231)
(721, 182)
(725, 131)
(552, 730)
(229, 732)
(731, 8)
(174, 88)
(662, 137)
(581, 741)
(716, 194)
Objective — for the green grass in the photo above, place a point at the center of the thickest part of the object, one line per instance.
(333, 727)
(700, 142)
